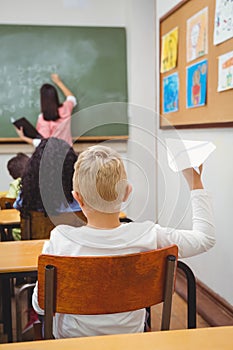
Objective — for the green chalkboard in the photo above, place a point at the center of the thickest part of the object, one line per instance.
(90, 60)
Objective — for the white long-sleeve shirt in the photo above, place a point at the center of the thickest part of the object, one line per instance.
(128, 238)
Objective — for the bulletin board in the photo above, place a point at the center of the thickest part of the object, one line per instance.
(217, 110)
(91, 62)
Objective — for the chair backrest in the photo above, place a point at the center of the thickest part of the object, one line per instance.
(38, 226)
(73, 285)
(6, 203)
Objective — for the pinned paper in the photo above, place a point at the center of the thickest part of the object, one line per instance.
(183, 154)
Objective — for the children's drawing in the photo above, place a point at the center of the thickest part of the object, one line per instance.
(196, 84)
(223, 21)
(197, 35)
(225, 71)
(170, 93)
(169, 50)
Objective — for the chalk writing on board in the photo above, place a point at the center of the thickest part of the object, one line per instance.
(22, 84)
(91, 61)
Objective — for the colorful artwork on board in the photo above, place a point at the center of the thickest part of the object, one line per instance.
(225, 71)
(196, 79)
(169, 50)
(171, 93)
(223, 21)
(197, 35)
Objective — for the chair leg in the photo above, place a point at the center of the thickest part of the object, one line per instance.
(18, 296)
(191, 293)
(49, 301)
(3, 234)
(37, 327)
(167, 305)
(12, 287)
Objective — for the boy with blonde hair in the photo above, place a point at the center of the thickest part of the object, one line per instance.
(100, 185)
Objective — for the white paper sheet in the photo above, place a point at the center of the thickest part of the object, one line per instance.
(183, 154)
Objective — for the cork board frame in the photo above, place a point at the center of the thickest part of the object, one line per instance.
(218, 110)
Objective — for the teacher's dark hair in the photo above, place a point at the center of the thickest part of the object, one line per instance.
(49, 102)
(47, 181)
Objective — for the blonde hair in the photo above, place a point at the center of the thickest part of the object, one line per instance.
(100, 178)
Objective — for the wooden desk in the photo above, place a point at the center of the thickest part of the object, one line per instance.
(9, 219)
(3, 193)
(9, 216)
(216, 338)
(19, 256)
(17, 259)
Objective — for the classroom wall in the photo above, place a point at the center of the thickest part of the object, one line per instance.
(139, 19)
(142, 122)
(215, 267)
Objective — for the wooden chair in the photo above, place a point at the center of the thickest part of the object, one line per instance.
(6, 203)
(38, 226)
(131, 282)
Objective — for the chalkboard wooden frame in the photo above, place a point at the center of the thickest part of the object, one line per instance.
(92, 62)
(218, 111)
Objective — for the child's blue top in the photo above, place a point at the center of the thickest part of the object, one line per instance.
(73, 206)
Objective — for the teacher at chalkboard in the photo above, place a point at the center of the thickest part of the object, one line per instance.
(55, 117)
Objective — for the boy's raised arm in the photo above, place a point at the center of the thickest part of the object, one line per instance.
(193, 178)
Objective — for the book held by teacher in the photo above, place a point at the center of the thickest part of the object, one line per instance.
(28, 129)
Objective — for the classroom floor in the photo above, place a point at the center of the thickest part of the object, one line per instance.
(178, 315)
(178, 319)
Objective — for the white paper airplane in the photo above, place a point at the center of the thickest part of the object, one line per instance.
(183, 154)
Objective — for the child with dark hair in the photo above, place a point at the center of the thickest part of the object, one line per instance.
(46, 185)
(16, 167)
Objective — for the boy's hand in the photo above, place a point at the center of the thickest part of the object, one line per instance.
(55, 78)
(193, 178)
